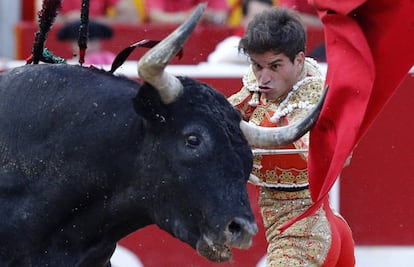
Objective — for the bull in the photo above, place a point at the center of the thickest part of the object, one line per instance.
(88, 157)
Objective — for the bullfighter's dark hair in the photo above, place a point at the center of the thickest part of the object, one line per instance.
(278, 29)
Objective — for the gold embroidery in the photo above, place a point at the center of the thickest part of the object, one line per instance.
(282, 177)
(279, 176)
(238, 97)
(263, 111)
(258, 115)
(305, 243)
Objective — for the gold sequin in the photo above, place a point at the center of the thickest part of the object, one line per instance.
(305, 243)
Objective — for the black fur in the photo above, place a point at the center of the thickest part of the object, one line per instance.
(88, 157)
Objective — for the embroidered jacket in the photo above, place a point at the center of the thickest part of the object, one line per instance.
(284, 171)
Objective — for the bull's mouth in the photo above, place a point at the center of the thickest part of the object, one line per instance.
(213, 251)
(238, 234)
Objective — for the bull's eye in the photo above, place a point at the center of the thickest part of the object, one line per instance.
(192, 140)
(195, 142)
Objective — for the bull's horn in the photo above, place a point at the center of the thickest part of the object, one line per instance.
(272, 137)
(151, 66)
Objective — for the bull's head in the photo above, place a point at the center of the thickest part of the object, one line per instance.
(224, 218)
(211, 241)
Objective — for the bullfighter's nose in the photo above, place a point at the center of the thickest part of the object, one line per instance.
(240, 232)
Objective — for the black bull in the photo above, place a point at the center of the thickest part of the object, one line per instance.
(88, 157)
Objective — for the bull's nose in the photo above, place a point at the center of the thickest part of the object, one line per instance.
(240, 232)
(240, 224)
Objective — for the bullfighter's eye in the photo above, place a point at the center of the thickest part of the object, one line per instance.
(192, 140)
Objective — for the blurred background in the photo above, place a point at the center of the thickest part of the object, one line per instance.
(374, 192)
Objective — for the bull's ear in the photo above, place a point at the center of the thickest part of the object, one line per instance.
(148, 104)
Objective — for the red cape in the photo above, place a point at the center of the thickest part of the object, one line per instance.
(369, 46)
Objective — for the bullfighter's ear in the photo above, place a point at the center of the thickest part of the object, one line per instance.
(148, 104)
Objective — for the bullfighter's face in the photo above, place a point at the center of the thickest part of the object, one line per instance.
(276, 73)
